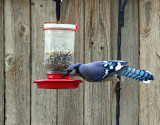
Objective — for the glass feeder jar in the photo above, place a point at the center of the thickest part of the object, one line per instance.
(59, 46)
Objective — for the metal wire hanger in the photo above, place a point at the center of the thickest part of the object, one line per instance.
(58, 8)
(120, 25)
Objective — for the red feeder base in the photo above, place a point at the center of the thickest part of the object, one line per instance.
(55, 81)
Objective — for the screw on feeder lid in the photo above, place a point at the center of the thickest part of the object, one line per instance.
(56, 76)
(52, 26)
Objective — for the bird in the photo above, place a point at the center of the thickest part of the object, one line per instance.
(101, 71)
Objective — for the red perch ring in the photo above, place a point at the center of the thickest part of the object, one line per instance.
(55, 81)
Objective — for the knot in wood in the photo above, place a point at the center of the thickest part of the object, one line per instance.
(92, 43)
(32, 3)
(22, 29)
(102, 47)
(158, 55)
(10, 60)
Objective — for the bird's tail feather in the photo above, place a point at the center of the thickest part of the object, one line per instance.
(141, 75)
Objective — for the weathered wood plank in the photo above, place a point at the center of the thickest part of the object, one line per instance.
(1, 64)
(43, 102)
(130, 52)
(70, 102)
(97, 96)
(149, 113)
(17, 53)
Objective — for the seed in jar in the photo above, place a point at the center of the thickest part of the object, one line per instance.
(58, 61)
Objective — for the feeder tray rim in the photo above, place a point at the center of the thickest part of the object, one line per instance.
(57, 80)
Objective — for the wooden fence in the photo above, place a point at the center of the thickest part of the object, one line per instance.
(21, 62)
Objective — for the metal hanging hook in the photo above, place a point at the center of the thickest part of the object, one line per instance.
(58, 8)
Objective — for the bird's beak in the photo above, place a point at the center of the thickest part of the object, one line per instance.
(65, 74)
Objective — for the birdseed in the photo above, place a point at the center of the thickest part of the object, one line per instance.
(57, 62)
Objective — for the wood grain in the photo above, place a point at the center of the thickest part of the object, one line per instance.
(1, 64)
(17, 54)
(43, 102)
(97, 96)
(129, 103)
(149, 113)
(96, 39)
(70, 102)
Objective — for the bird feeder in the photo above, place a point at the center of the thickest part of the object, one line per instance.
(58, 55)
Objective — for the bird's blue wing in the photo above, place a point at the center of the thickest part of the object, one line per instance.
(111, 68)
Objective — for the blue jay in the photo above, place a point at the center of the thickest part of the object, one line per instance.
(107, 70)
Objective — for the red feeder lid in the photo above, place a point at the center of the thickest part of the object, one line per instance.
(55, 81)
(59, 28)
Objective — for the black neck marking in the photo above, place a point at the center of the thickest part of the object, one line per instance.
(77, 71)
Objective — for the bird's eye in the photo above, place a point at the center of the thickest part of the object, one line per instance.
(70, 70)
